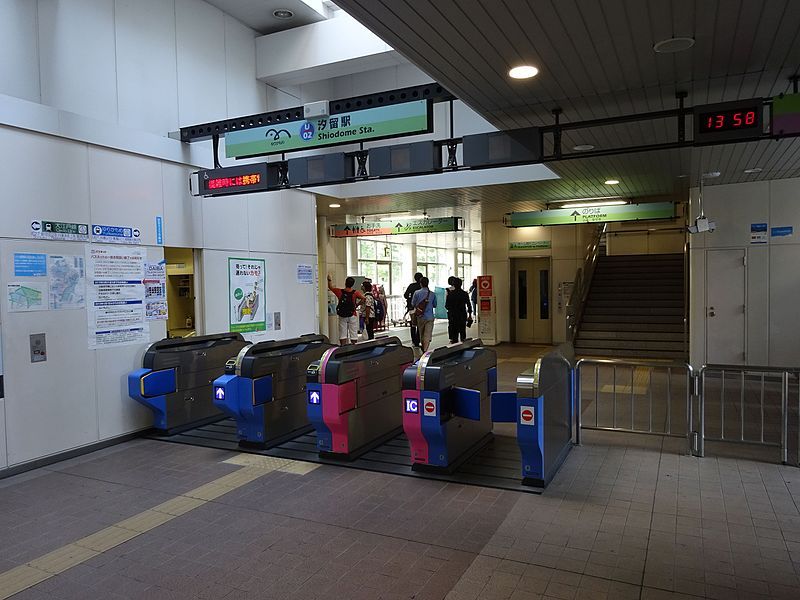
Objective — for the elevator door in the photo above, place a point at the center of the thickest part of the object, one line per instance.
(530, 302)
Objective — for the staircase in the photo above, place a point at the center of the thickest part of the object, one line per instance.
(635, 308)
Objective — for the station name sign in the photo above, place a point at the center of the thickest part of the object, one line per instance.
(395, 120)
(399, 227)
(647, 211)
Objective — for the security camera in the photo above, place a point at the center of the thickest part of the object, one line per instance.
(702, 225)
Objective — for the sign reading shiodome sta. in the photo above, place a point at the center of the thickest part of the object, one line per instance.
(595, 214)
(342, 128)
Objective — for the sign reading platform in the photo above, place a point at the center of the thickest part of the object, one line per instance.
(399, 227)
(376, 123)
(532, 245)
(595, 214)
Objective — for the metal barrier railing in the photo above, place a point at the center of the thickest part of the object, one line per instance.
(750, 405)
(634, 396)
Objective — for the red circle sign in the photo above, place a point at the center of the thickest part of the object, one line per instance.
(430, 407)
(527, 414)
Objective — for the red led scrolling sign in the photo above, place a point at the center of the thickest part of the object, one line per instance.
(220, 183)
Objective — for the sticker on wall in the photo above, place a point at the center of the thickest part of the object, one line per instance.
(116, 234)
(67, 282)
(305, 274)
(27, 264)
(758, 233)
(26, 296)
(58, 230)
(159, 231)
(247, 299)
(782, 231)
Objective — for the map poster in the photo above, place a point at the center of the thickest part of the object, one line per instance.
(116, 311)
(67, 280)
(27, 296)
(155, 291)
(247, 302)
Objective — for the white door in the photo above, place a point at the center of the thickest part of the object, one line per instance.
(725, 307)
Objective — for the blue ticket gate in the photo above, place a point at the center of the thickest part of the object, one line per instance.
(542, 408)
(175, 379)
(446, 405)
(264, 389)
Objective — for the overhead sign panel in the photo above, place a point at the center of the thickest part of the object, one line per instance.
(786, 114)
(596, 214)
(344, 128)
(399, 227)
(230, 180)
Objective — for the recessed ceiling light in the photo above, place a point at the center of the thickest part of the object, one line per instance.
(282, 13)
(523, 72)
(583, 147)
(673, 44)
(334, 206)
(593, 204)
(611, 181)
(753, 170)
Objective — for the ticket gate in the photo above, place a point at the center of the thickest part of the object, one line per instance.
(354, 396)
(264, 389)
(176, 376)
(542, 408)
(446, 405)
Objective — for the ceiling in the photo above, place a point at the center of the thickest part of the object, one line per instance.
(596, 60)
(257, 14)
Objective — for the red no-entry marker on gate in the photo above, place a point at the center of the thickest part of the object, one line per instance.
(430, 408)
(526, 416)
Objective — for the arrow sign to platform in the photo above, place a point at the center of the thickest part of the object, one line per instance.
(313, 397)
(220, 393)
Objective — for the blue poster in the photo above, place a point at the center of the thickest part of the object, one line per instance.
(782, 231)
(159, 231)
(114, 234)
(30, 265)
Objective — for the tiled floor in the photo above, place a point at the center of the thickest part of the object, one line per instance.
(628, 516)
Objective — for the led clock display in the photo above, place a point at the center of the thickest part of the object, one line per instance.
(729, 120)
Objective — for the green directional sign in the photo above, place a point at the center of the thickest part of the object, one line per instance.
(595, 214)
(59, 230)
(531, 245)
(343, 128)
(399, 227)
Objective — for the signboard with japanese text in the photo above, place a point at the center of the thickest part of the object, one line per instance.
(380, 122)
(399, 227)
(593, 214)
(247, 301)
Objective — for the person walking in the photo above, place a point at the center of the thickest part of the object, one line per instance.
(473, 295)
(367, 309)
(459, 312)
(409, 295)
(424, 301)
(346, 309)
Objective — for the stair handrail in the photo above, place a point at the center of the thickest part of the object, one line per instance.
(583, 280)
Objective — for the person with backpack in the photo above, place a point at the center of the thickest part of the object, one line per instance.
(346, 309)
(424, 301)
(409, 295)
(459, 312)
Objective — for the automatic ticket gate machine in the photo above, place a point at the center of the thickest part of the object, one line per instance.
(355, 396)
(264, 389)
(176, 376)
(446, 405)
(542, 408)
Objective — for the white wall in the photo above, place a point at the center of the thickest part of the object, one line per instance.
(151, 65)
(772, 282)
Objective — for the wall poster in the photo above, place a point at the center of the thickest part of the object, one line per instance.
(116, 312)
(155, 291)
(67, 281)
(247, 300)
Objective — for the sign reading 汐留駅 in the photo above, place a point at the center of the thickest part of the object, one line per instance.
(530, 245)
(595, 214)
(399, 227)
(343, 128)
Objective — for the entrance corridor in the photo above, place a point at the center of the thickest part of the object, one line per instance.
(628, 516)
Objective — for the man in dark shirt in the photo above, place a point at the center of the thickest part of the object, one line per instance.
(459, 311)
(408, 296)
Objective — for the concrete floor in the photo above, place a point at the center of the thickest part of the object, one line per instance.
(628, 516)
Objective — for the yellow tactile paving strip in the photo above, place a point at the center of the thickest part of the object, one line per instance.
(55, 562)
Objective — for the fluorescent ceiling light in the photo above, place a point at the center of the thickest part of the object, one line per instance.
(583, 147)
(584, 199)
(611, 181)
(594, 204)
(523, 72)
(334, 206)
(753, 170)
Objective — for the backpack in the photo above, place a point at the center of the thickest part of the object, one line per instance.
(346, 306)
(380, 310)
